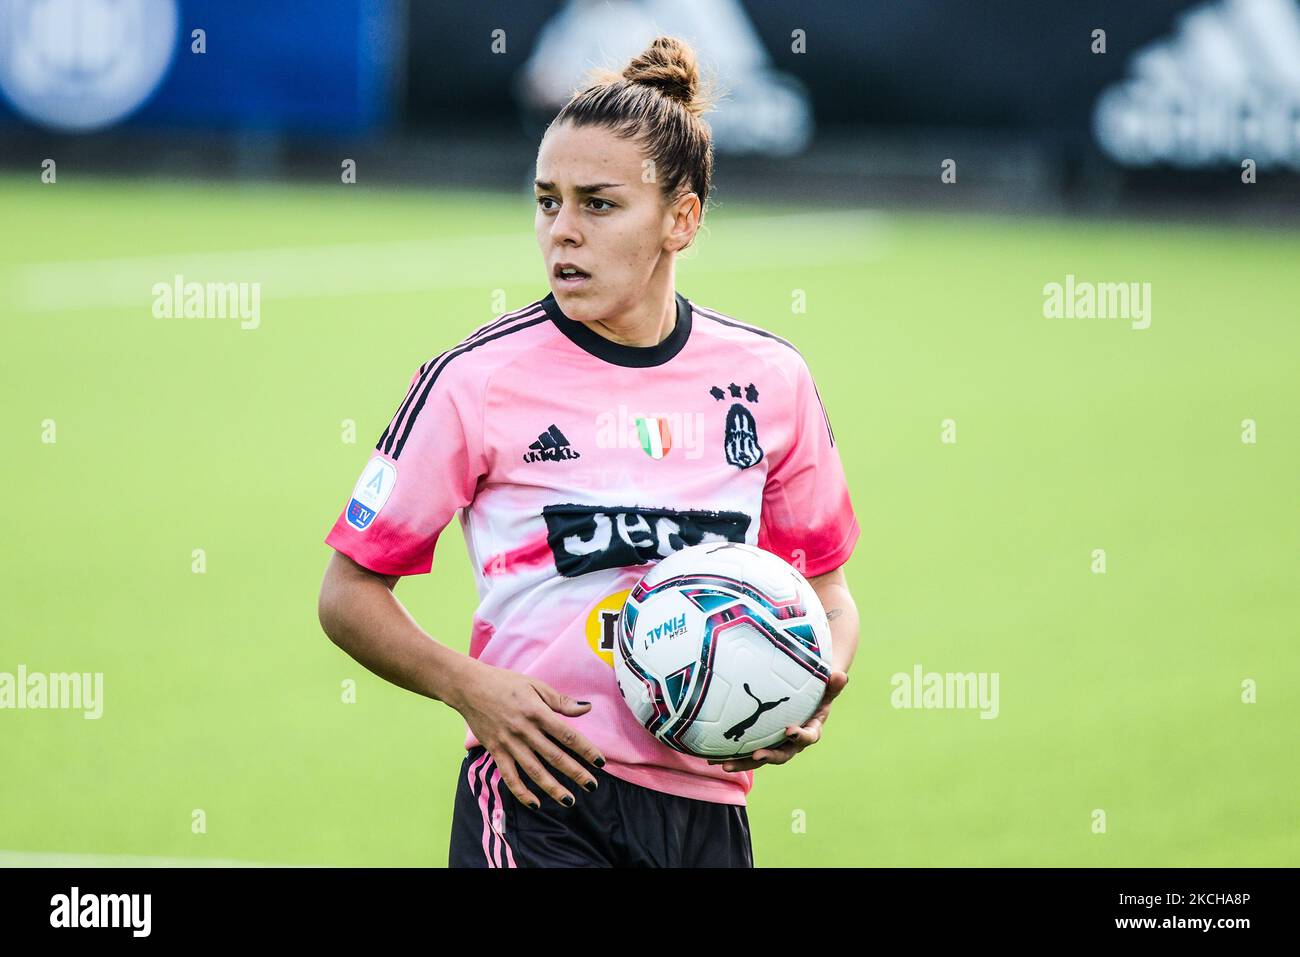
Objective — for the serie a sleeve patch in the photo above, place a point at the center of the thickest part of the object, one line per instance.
(371, 492)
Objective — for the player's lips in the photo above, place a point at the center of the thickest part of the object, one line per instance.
(569, 274)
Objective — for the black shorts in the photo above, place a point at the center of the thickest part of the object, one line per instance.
(617, 825)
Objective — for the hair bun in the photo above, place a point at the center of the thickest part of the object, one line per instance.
(669, 66)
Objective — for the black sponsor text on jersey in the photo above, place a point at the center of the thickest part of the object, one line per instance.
(587, 538)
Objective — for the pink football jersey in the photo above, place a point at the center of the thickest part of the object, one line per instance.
(573, 464)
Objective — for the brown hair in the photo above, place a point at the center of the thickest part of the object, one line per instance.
(658, 98)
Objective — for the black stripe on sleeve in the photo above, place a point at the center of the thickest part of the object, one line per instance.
(436, 369)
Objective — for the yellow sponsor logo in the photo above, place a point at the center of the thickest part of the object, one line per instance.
(603, 624)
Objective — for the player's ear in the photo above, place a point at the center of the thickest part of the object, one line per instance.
(686, 213)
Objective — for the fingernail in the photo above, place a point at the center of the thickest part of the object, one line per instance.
(600, 762)
(590, 785)
(584, 702)
(534, 806)
(566, 801)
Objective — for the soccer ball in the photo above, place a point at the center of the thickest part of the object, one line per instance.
(721, 647)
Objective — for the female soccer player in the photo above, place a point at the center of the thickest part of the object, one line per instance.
(578, 440)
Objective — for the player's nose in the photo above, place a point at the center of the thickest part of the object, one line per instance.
(564, 227)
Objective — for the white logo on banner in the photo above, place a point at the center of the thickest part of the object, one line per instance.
(1222, 88)
(767, 110)
(79, 65)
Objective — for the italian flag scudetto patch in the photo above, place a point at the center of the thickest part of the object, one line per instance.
(656, 440)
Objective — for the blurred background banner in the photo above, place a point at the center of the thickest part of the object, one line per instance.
(1222, 85)
(295, 68)
(1076, 100)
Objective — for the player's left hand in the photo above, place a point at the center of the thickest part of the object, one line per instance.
(797, 738)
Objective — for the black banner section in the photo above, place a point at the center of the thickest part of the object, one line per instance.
(182, 905)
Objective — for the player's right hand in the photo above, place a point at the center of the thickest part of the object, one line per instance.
(517, 718)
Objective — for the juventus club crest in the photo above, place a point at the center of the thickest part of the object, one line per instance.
(742, 445)
(741, 442)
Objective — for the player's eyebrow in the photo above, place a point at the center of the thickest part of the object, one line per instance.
(593, 188)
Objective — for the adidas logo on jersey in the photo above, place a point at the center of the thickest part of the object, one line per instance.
(551, 446)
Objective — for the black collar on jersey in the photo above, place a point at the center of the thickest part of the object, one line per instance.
(635, 357)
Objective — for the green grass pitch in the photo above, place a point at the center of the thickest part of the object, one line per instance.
(1119, 691)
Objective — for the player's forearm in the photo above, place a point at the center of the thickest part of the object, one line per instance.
(364, 618)
(843, 615)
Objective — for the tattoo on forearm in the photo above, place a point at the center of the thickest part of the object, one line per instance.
(834, 613)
